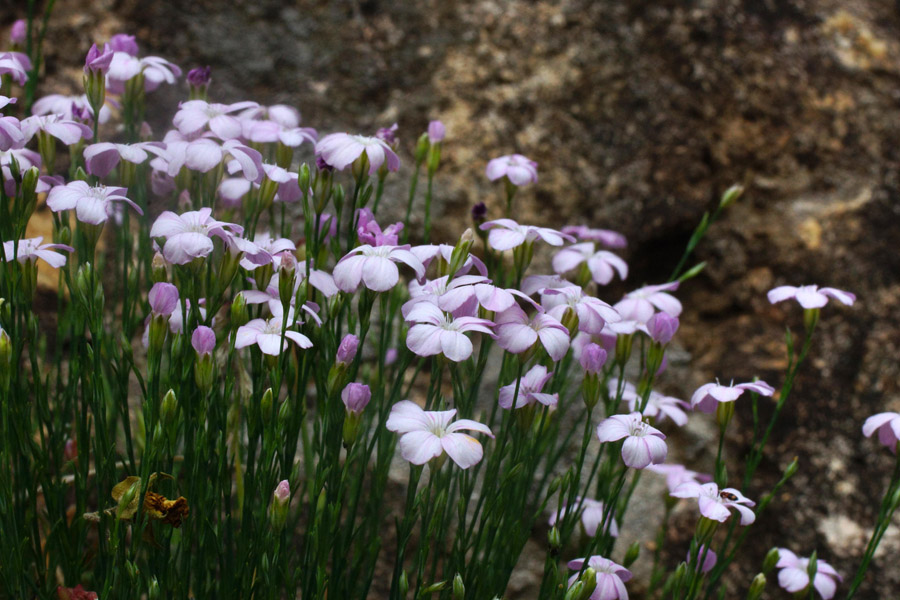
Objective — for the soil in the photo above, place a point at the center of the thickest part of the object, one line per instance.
(639, 114)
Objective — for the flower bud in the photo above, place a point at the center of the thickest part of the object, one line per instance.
(238, 311)
(553, 539)
(436, 132)
(631, 555)
(592, 359)
(459, 588)
(5, 357)
(461, 251)
(287, 270)
(70, 450)
(575, 592)
(355, 397)
(265, 405)
(421, 148)
(404, 584)
(479, 215)
(709, 561)
(662, 327)
(589, 579)
(347, 350)
(757, 586)
(158, 271)
(730, 196)
(153, 592)
(770, 561)
(169, 409)
(281, 499)
(18, 33)
(198, 81)
(163, 299)
(203, 340)
(96, 65)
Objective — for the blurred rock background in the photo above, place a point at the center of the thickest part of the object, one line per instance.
(640, 114)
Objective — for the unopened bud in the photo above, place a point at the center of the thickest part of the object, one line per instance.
(238, 311)
(459, 588)
(757, 586)
(662, 327)
(631, 555)
(404, 584)
(770, 561)
(575, 592)
(169, 409)
(153, 592)
(589, 579)
(163, 298)
(281, 499)
(553, 538)
(158, 271)
(265, 405)
(346, 352)
(730, 196)
(421, 150)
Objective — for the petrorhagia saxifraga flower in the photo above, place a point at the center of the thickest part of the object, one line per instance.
(428, 434)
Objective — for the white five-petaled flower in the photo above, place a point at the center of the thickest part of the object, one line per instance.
(517, 332)
(517, 168)
(31, 249)
(428, 434)
(189, 235)
(92, 205)
(339, 150)
(658, 406)
(708, 396)
(810, 296)
(195, 115)
(644, 445)
(267, 335)
(530, 388)
(602, 264)
(593, 314)
(374, 267)
(435, 332)
(794, 574)
(611, 578)
(640, 304)
(506, 234)
(714, 504)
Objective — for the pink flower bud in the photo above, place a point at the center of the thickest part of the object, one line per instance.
(390, 356)
(199, 77)
(282, 493)
(122, 42)
(203, 340)
(70, 451)
(661, 327)
(163, 298)
(436, 132)
(98, 60)
(356, 396)
(18, 32)
(593, 357)
(347, 350)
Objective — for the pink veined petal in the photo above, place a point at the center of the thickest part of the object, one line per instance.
(555, 341)
(888, 437)
(601, 271)
(299, 339)
(409, 259)
(129, 202)
(246, 335)
(424, 340)
(493, 298)
(101, 158)
(712, 509)
(63, 197)
(407, 416)
(182, 248)
(249, 159)
(54, 259)
(519, 175)
(553, 237)
(658, 449)
(455, 345)
(91, 210)
(425, 312)
(516, 338)
(269, 343)
(826, 569)
(724, 393)
(379, 273)
(465, 450)
(506, 394)
(636, 453)
(786, 558)
(348, 273)
(418, 447)
(505, 239)
(809, 297)
(203, 155)
(546, 399)
(760, 387)
(793, 579)
(469, 425)
(666, 303)
(567, 259)
(839, 295)
(375, 153)
(190, 119)
(496, 169)
(781, 293)
(747, 514)
(225, 126)
(825, 585)
(612, 429)
(688, 489)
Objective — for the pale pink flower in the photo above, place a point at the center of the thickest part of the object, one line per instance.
(607, 237)
(601, 263)
(677, 474)
(519, 169)
(272, 246)
(436, 132)
(437, 333)
(428, 434)
(195, 116)
(339, 150)
(267, 335)
(374, 267)
(16, 65)
(65, 130)
(102, 158)
(68, 107)
(11, 136)
(276, 123)
(125, 66)
(887, 424)
(714, 504)
(461, 295)
(530, 387)
(640, 304)
(709, 560)
(163, 298)
(708, 396)
(189, 235)
(591, 516)
(593, 314)
(355, 397)
(517, 332)
(810, 296)
(794, 574)
(611, 578)
(428, 252)
(506, 234)
(92, 205)
(644, 445)
(658, 406)
(205, 154)
(31, 249)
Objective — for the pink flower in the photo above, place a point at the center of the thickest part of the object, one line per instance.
(592, 358)
(189, 235)
(437, 333)
(339, 150)
(506, 234)
(677, 474)
(277, 123)
(662, 327)
(18, 32)
(68, 107)
(611, 578)
(16, 65)
(346, 351)
(102, 158)
(516, 332)
(232, 191)
(11, 135)
(643, 445)
(98, 60)
(609, 238)
(288, 186)
(602, 263)
(591, 516)
(517, 168)
(194, 116)
(810, 296)
(708, 396)
(203, 340)
(269, 245)
(593, 314)
(461, 295)
(715, 504)
(124, 67)
(122, 42)
(65, 130)
(163, 298)
(428, 434)
(887, 425)
(369, 231)
(794, 574)
(427, 253)
(355, 397)
(267, 335)
(282, 492)
(206, 154)
(658, 406)
(530, 388)
(31, 249)
(640, 304)
(709, 561)
(374, 266)
(436, 132)
(92, 205)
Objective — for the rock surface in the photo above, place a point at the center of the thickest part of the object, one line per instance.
(639, 114)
